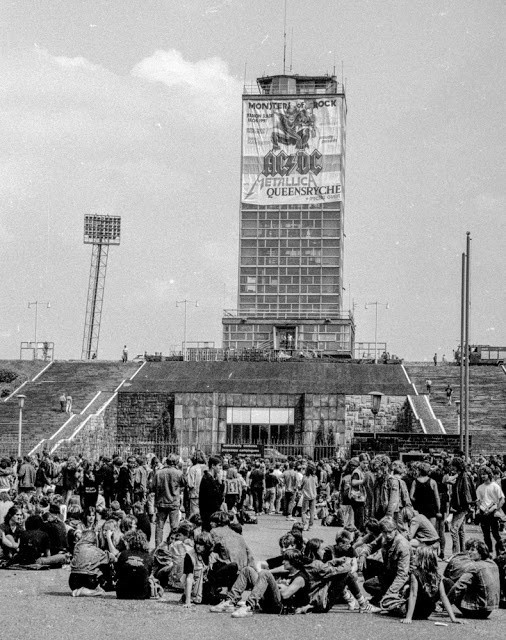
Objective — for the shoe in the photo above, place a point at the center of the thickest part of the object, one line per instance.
(291, 518)
(243, 612)
(368, 608)
(225, 606)
(353, 605)
(306, 527)
(77, 592)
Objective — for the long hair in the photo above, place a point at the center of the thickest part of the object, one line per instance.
(426, 561)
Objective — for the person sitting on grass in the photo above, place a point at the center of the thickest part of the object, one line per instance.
(476, 591)
(425, 589)
(169, 557)
(330, 581)
(10, 531)
(195, 570)
(396, 556)
(421, 531)
(133, 568)
(267, 594)
(91, 569)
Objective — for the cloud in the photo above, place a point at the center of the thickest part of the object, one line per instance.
(206, 80)
(152, 146)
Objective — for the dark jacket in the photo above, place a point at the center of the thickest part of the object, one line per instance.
(210, 494)
(463, 493)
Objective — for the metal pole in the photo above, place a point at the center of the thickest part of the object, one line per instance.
(184, 331)
(35, 345)
(462, 348)
(20, 429)
(468, 308)
(376, 338)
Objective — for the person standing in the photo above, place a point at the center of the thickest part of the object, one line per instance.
(309, 493)
(489, 498)
(257, 487)
(428, 385)
(63, 402)
(193, 480)
(290, 483)
(449, 392)
(167, 484)
(68, 405)
(124, 354)
(463, 495)
(210, 492)
(435, 359)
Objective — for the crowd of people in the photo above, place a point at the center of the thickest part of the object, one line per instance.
(96, 518)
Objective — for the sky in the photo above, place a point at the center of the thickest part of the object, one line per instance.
(132, 108)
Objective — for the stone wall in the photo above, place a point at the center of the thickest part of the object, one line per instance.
(395, 444)
(359, 416)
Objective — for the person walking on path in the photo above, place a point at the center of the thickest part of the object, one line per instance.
(428, 385)
(63, 402)
(449, 392)
(68, 404)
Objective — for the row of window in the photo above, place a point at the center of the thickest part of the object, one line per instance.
(275, 279)
(298, 272)
(307, 329)
(289, 260)
(305, 243)
(283, 288)
(327, 223)
(291, 233)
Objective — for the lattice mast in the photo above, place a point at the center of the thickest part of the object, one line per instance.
(101, 232)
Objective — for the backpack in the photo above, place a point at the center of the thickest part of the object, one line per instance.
(231, 486)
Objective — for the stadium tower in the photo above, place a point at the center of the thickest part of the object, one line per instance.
(291, 220)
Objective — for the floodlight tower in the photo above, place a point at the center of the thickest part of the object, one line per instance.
(101, 232)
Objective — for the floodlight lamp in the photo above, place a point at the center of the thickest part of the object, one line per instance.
(21, 400)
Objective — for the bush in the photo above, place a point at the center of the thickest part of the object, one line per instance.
(7, 376)
(4, 393)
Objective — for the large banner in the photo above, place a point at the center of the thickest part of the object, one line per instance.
(293, 150)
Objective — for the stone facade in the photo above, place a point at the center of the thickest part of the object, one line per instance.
(390, 417)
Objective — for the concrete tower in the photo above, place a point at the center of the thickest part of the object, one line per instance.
(291, 219)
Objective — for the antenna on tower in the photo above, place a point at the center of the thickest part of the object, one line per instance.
(342, 73)
(284, 41)
(291, 52)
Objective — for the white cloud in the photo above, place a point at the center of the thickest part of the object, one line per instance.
(206, 80)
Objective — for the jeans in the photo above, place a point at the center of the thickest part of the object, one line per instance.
(257, 495)
(264, 590)
(440, 528)
(458, 532)
(358, 514)
(308, 504)
(289, 502)
(279, 497)
(162, 513)
(490, 524)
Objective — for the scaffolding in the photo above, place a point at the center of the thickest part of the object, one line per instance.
(101, 232)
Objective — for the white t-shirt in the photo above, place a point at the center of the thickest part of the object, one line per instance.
(4, 507)
(488, 494)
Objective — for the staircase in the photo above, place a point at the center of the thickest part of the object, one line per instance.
(422, 409)
(487, 407)
(41, 414)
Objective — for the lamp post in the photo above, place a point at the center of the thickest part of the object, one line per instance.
(376, 304)
(21, 403)
(185, 302)
(375, 407)
(36, 305)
